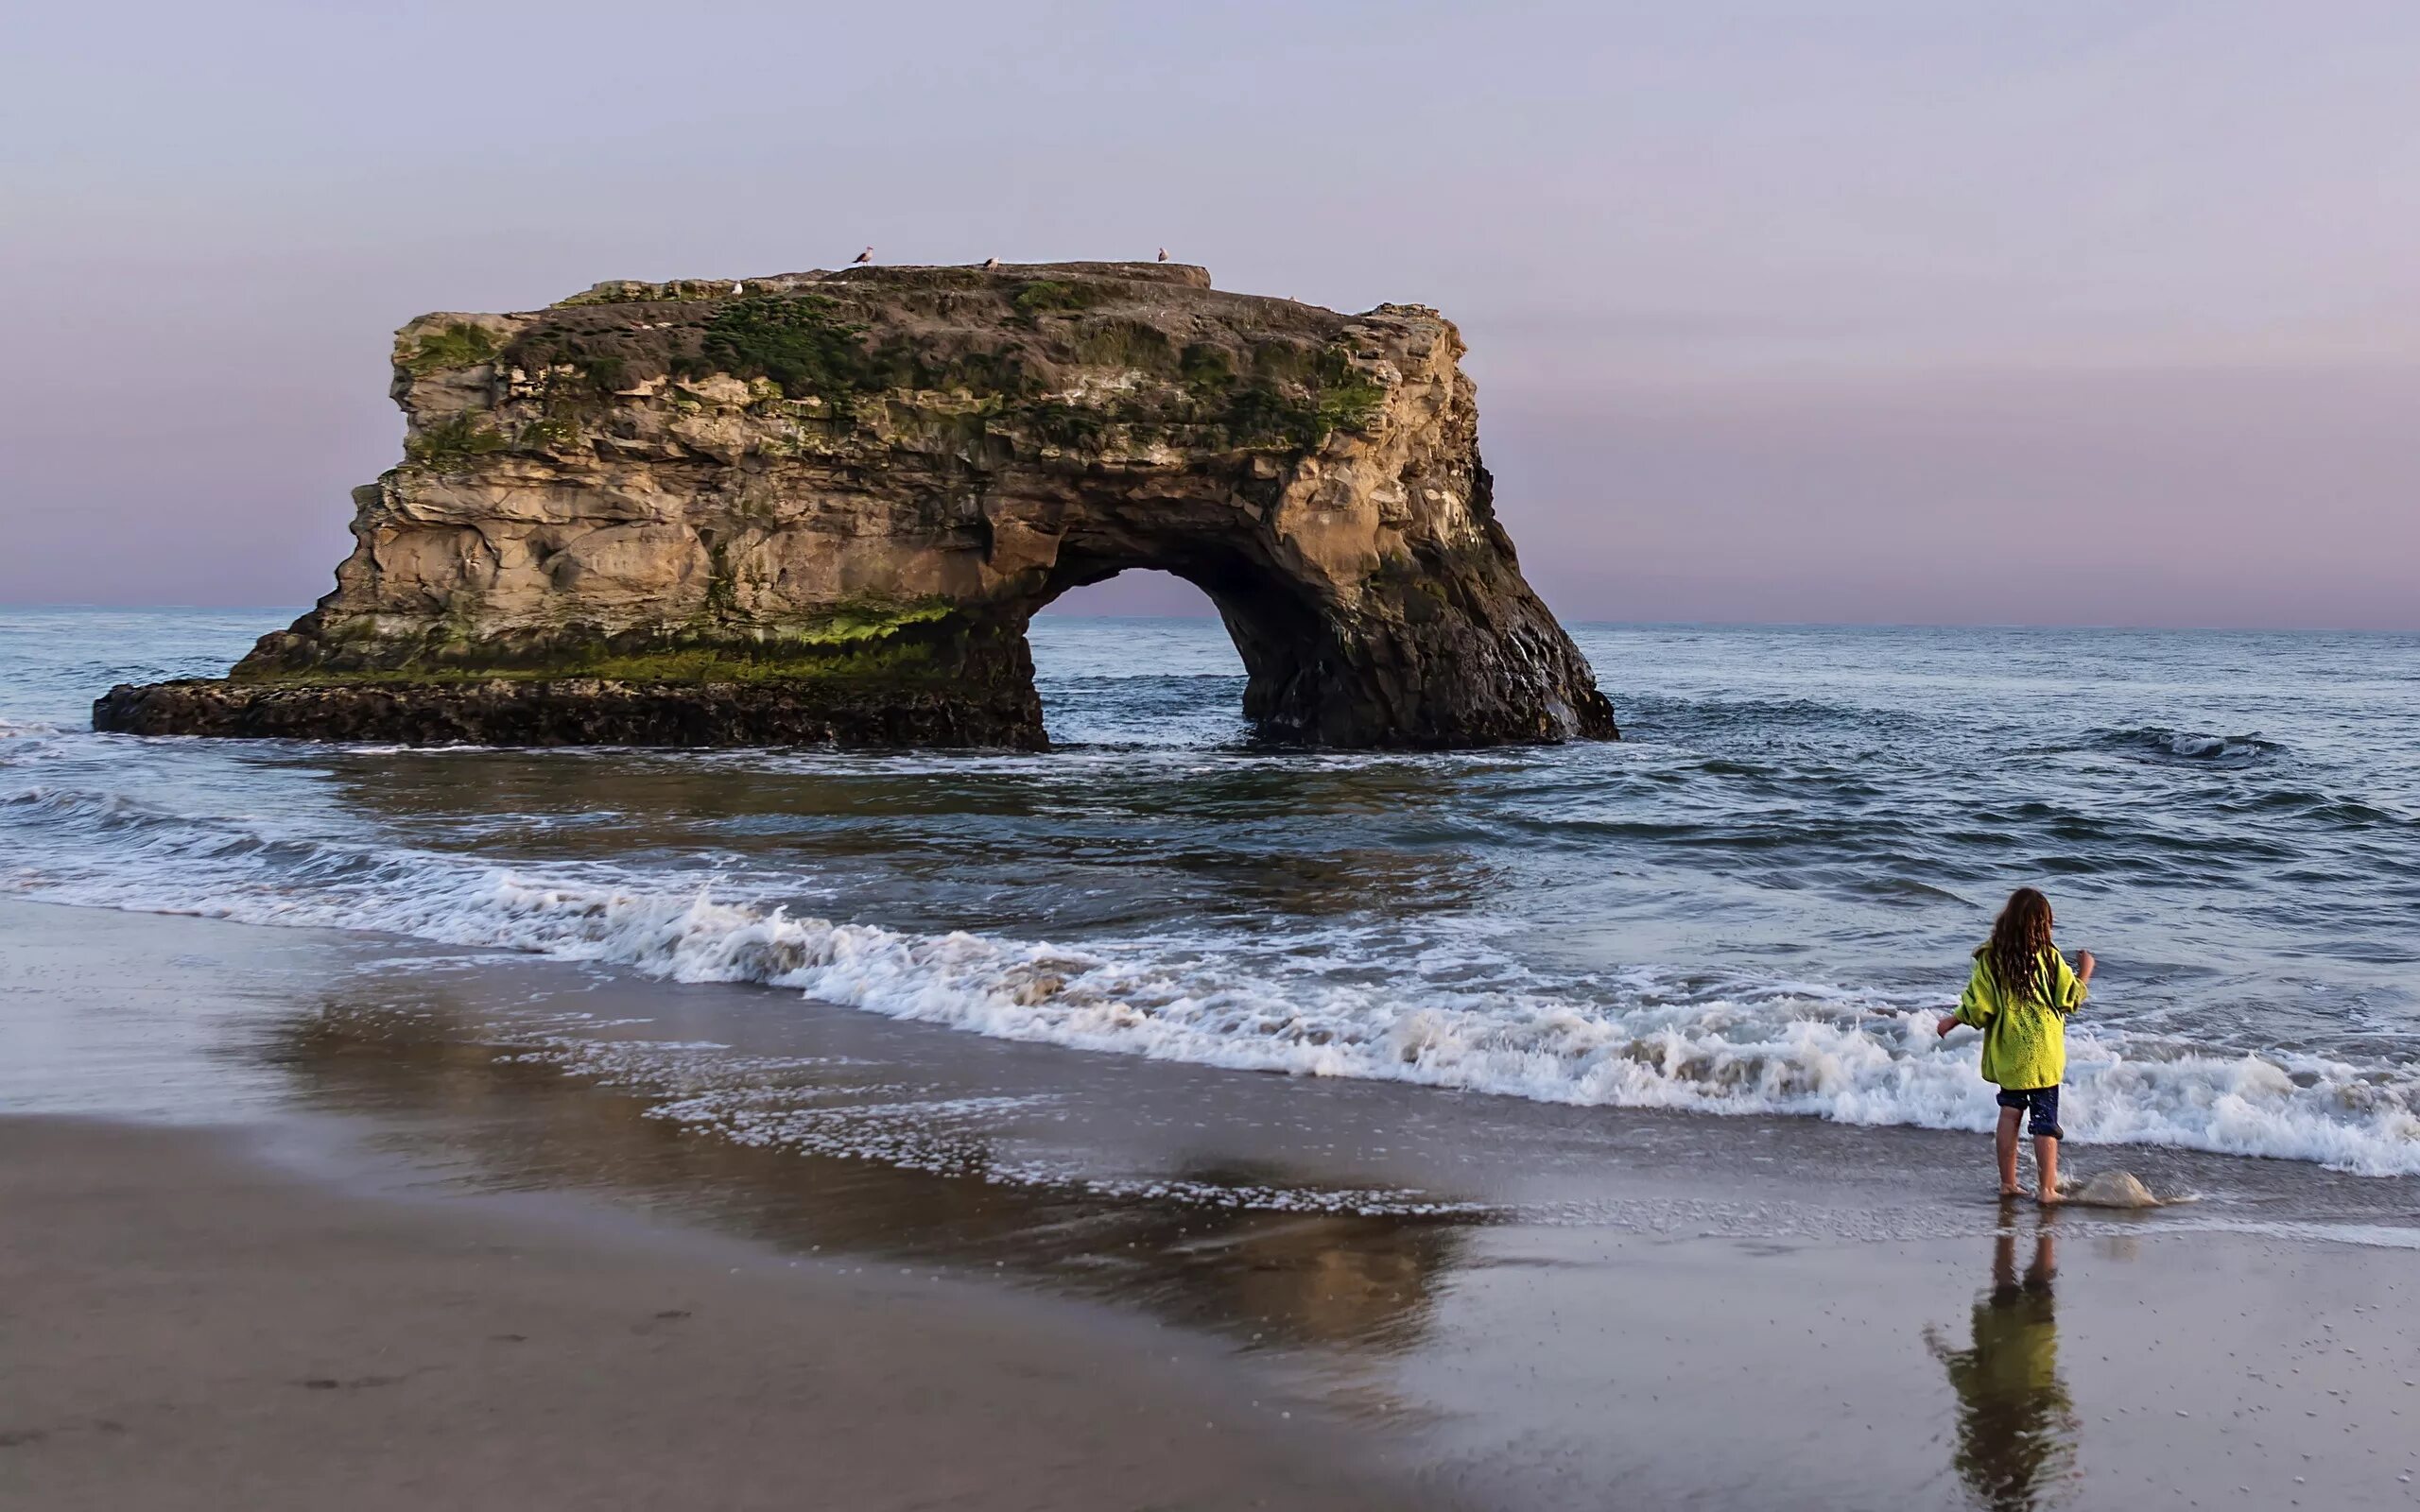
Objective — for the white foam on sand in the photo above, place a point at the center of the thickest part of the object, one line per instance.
(800, 1105)
(1447, 1018)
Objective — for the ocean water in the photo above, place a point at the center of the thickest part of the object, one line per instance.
(1754, 905)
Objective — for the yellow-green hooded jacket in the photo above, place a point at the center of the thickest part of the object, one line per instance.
(2025, 1032)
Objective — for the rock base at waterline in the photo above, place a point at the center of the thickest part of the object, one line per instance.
(577, 712)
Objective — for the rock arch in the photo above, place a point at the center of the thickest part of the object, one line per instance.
(827, 509)
(1439, 652)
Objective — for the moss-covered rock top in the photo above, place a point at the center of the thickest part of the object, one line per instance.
(1129, 343)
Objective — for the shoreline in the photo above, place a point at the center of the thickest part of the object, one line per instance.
(193, 1326)
(1847, 1298)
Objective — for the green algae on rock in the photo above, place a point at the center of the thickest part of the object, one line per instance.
(823, 507)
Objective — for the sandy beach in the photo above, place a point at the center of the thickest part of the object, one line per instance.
(189, 1327)
(365, 1249)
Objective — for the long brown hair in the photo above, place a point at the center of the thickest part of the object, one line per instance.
(2020, 937)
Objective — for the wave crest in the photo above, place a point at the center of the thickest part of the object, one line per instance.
(2158, 742)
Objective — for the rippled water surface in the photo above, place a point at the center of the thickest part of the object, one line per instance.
(1752, 905)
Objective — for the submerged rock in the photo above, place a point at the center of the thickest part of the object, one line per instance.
(823, 507)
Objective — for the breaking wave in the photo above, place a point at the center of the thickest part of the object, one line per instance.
(2153, 741)
(1457, 1016)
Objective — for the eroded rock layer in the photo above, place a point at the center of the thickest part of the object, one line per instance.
(822, 507)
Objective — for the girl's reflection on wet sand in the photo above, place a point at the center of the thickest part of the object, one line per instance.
(2016, 1427)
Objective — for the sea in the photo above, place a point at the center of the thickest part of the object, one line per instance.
(1756, 904)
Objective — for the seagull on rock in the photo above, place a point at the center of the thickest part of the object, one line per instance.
(740, 288)
(866, 256)
(1163, 254)
(989, 263)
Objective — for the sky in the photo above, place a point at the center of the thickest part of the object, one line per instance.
(1905, 311)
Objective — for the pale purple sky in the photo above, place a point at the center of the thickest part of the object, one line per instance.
(2085, 311)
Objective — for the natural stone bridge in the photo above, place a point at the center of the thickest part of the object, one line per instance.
(823, 507)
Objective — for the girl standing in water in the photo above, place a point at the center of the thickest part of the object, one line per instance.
(2020, 995)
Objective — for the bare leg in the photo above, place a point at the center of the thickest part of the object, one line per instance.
(2046, 1156)
(2005, 1142)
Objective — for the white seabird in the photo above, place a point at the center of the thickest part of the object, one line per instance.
(866, 256)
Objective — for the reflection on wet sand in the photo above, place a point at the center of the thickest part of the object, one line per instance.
(2016, 1427)
(505, 1119)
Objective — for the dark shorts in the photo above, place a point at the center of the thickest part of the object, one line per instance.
(2044, 1103)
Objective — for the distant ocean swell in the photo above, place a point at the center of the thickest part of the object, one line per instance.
(1451, 1019)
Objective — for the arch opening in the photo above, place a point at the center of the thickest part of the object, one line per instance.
(1278, 629)
(1138, 658)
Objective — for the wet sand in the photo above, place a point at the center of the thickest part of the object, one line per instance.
(1609, 1308)
(187, 1328)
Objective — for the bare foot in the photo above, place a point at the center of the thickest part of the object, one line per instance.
(2011, 1194)
(2050, 1199)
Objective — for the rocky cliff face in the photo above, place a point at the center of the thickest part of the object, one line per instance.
(823, 507)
